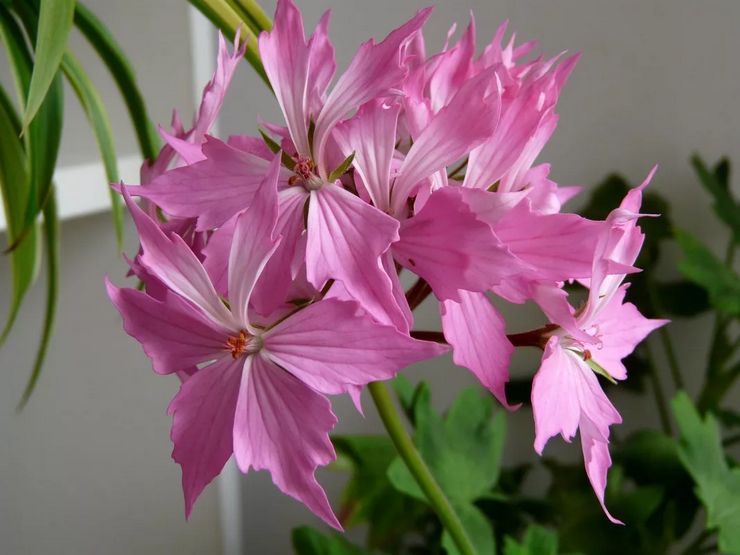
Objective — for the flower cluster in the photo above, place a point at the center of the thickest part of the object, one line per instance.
(271, 263)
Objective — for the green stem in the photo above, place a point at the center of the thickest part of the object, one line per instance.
(418, 468)
(660, 401)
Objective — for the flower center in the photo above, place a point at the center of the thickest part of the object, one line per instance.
(243, 343)
(304, 174)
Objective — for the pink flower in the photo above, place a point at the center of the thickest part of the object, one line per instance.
(566, 395)
(258, 391)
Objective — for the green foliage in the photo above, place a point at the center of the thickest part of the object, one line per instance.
(307, 541)
(717, 483)
(717, 183)
(536, 541)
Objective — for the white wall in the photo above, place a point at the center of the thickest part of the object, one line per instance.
(86, 468)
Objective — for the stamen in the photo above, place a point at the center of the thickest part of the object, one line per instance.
(586, 355)
(238, 344)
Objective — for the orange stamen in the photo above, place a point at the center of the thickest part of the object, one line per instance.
(237, 344)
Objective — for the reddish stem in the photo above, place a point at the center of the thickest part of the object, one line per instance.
(418, 292)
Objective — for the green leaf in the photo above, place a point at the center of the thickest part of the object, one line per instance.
(536, 541)
(717, 183)
(702, 267)
(605, 197)
(463, 451)
(681, 298)
(307, 541)
(54, 24)
(14, 186)
(341, 168)
(51, 243)
(478, 529)
(717, 485)
(98, 118)
(120, 69)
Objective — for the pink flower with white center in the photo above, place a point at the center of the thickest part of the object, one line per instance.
(566, 395)
(258, 391)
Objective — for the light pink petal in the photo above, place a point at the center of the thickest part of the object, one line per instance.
(321, 64)
(170, 260)
(308, 345)
(470, 117)
(557, 246)
(213, 190)
(451, 248)
(597, 461)
(253, 243)
(477, 333)
(553, 301)
(373, 72)
(399, 293)
(285, 55)
(371, 135)
(277, 277)
(491, 207)
(202, 424)
(453, 68)
(282, 425)
(174, 335)
(346, 238)
(188, 151)
(555, 400)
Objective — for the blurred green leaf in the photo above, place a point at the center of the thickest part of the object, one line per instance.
(369, 497)
(681, 298)
(702, 267)
(54, 24)
(717, 485)
(98, 118)
(463, 451)
(120, 69)
(536, 541)
(478, 528)
(717, 183)
(307, 541)
(605, 197)
(341, 168)
(51, 244)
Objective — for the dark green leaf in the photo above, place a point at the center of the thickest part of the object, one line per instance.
(717, 485)
(605, 197)
(717, 184)
(478, 530)
(702, 267)
(341, 168)
(536, 541)
(120, 69)
(98, 118)
(681, 298)
(54, 24)
(307, 541)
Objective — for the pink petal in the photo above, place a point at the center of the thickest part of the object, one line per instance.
(202, 423)
(321, 64)
(253, 243)
(213, 190)
(170, 260)
(174, 335)
(346, 238)
(308, 345)
(451, 248)
(453, 68)
(477, 333)
(597, 461)
(283, 426)
(371, 135)
(285, 55)
(374, 70)
(453, 131)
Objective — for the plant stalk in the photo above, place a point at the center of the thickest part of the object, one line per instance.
(418, 468)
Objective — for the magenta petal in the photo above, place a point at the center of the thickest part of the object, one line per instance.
(170, 259)
(283, 426)
(174, 335)
(213, 190)
(451, 248)
(371, 135)
(346, 238)
(308, 346)
(285, 56)
(374, 70)
(321, 64)
(202, 423)
(477, 333)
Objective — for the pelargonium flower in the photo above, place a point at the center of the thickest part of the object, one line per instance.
(258, 391)
(566, 395)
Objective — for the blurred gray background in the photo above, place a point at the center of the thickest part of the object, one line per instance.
(86, 468)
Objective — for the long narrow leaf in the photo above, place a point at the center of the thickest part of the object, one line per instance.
(100, 123)
(51, 245)
(55, 22)
(110, 52)
(252, 14)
